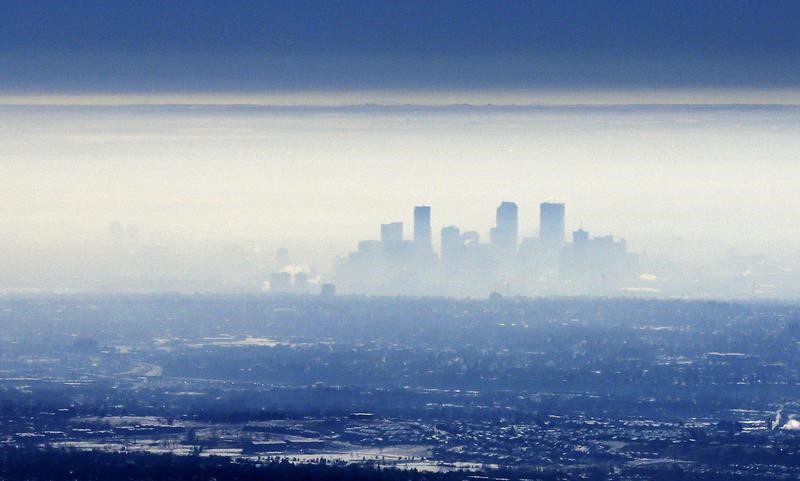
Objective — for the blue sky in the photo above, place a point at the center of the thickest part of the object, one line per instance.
(115, 46)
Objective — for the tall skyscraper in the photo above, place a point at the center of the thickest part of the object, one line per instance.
(392, 233)
(551, 224)
(422, 229)
(504, 234)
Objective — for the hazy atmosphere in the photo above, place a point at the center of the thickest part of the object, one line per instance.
(399, 240)
(214, 135)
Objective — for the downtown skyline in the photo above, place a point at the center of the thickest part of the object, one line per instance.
(227, 132)
(408, 240)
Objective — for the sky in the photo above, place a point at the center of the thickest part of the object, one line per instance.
(203, 45)
(308, 123)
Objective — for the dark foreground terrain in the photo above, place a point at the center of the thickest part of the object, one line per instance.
(20, 464)
(294, 387)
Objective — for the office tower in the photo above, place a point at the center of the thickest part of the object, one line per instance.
(422, 229)
(301, 283)
(551, 224)
(369, 247)
(452, 244)
(504, 234)
(580, 237)
(327, 290)
(471, 237)
(280, 282)
(392, 233)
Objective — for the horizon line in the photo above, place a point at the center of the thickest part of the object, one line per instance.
(417, 98)
(414, 106)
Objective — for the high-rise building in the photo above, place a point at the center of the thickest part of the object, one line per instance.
(551, 224)
(280, 282)
(452, 244)
(327, 290)
(422, 229)
(580, 237)
(504, 234)
(369, 247)
(392, 233)
(301, 283)
(471, 237)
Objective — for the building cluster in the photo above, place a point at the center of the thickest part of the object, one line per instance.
(506, 264)
(296, 280)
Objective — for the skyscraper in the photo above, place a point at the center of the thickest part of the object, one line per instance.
(327, 290)
(280, 282)
(551, 224)
(392, 233)
(580, 237)
(504, 234)
(422, 229)
(471, 237)
(452, 244)
(301, 283)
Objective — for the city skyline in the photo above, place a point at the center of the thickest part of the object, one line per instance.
(216, 135)
(414, 240)
(625, 170)
(547, 264)
(503, 263)
(571, 258)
